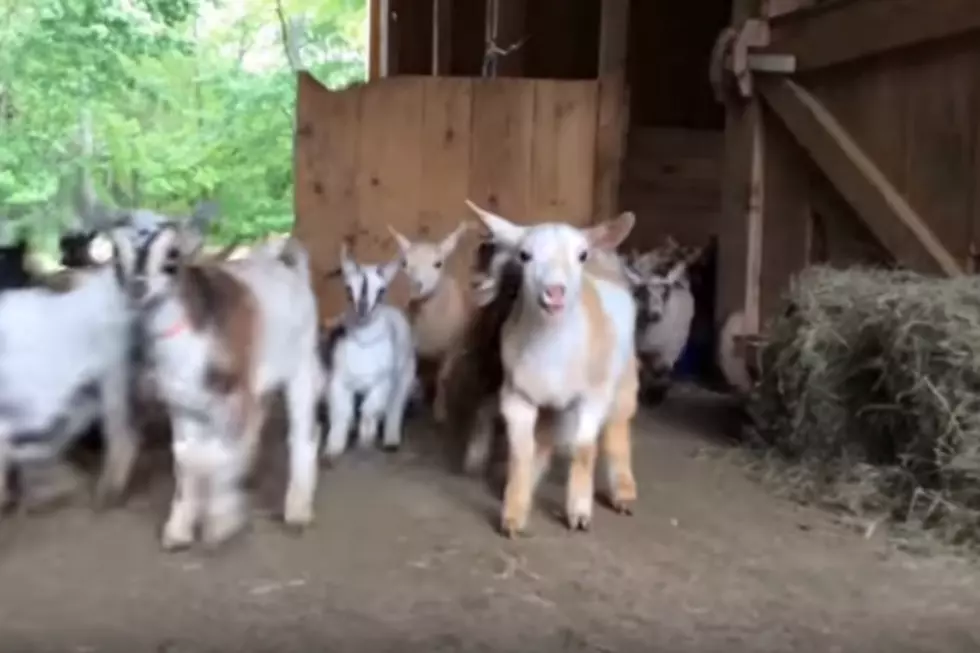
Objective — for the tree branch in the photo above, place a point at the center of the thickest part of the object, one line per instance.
(288, 39)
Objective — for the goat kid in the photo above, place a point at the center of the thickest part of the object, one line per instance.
(437, 307)
(64, 363)
(371, 359)
(220, 337)
(567, 346)
(665, 311)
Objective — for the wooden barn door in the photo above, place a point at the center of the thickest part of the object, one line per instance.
(852, 135)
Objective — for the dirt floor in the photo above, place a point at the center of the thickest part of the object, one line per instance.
(404, 557)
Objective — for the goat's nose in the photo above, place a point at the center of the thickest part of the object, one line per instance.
(554, 292)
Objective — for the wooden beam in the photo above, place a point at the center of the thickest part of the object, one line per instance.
(613, 26)
(839, 32)
(375, 35)
(879, 204)
(442, 25)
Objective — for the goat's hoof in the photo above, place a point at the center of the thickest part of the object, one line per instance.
(391, 448)
(107, 499)
(296, 528)
(221, 531)
(622, 506)
(171, 542)
(579, 522)
(512, 527)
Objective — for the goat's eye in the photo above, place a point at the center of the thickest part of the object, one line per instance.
(583, 255)
(525, 256)
(438, 265)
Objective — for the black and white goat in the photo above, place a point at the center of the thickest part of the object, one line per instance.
(371, 359)
(218, 338)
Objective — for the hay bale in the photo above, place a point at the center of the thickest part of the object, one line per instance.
(870, 381)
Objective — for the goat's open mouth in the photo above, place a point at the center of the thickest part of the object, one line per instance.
(550, 306)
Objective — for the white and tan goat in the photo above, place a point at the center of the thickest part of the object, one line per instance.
(567, 346)
(220, 337)
(370, 358)
(438, 308)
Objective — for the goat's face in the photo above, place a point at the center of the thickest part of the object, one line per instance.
(553, 255)
(146, 267)
(492, 271)
(652, 291)
(425, 262)
(366, 284)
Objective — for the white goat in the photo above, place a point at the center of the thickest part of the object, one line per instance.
(64, 363)
(437, 308)
(220, 337)
(567, 345)
(665, 311)
(372, 358)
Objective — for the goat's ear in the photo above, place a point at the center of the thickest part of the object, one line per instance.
(451, 242)
(123, 251)
(610, 234)
(404, 244)
(675, 273)
(390, 270)
(502, 230)
(347, 265)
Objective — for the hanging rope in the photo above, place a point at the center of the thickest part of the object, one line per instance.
(494, 52)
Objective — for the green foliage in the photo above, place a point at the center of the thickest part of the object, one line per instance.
(186, 99)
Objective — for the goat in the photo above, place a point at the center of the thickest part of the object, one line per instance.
(437, 307)
(665, 310)
(371, 358)
(567, 345)
(219, 338)
(63, 364)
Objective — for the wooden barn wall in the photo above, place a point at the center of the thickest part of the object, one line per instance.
(407, 151)
(917, 115)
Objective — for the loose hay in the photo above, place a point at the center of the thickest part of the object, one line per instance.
(870, 383)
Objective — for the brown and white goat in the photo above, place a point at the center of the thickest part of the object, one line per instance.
(567, 346)
(438, 308)
(219, 338)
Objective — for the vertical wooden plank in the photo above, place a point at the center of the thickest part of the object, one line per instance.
(613, 32)
(500, 158)
(375, 39)
(610, 140)
(741, 123)
(446, 160)
(325, 161)
(786, 215)
(511, 28)
(442, 43)
(562, 151)
(390, 179)
(941, 176)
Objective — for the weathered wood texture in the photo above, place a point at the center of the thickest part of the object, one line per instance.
(884, 152)
(407, 151)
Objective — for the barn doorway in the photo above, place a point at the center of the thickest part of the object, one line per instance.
(671, 175)
(670, 171)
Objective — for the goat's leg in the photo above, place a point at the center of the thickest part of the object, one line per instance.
(617, 445)
(439, 410)
(340, 405)
(190, 464)
(580, 425)
(121, 440)
(481, 437)
(6, 464)
(252, 440)
(373, 409)
(521, 418)
(395, 410)
(301, 399)
(225, 509)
